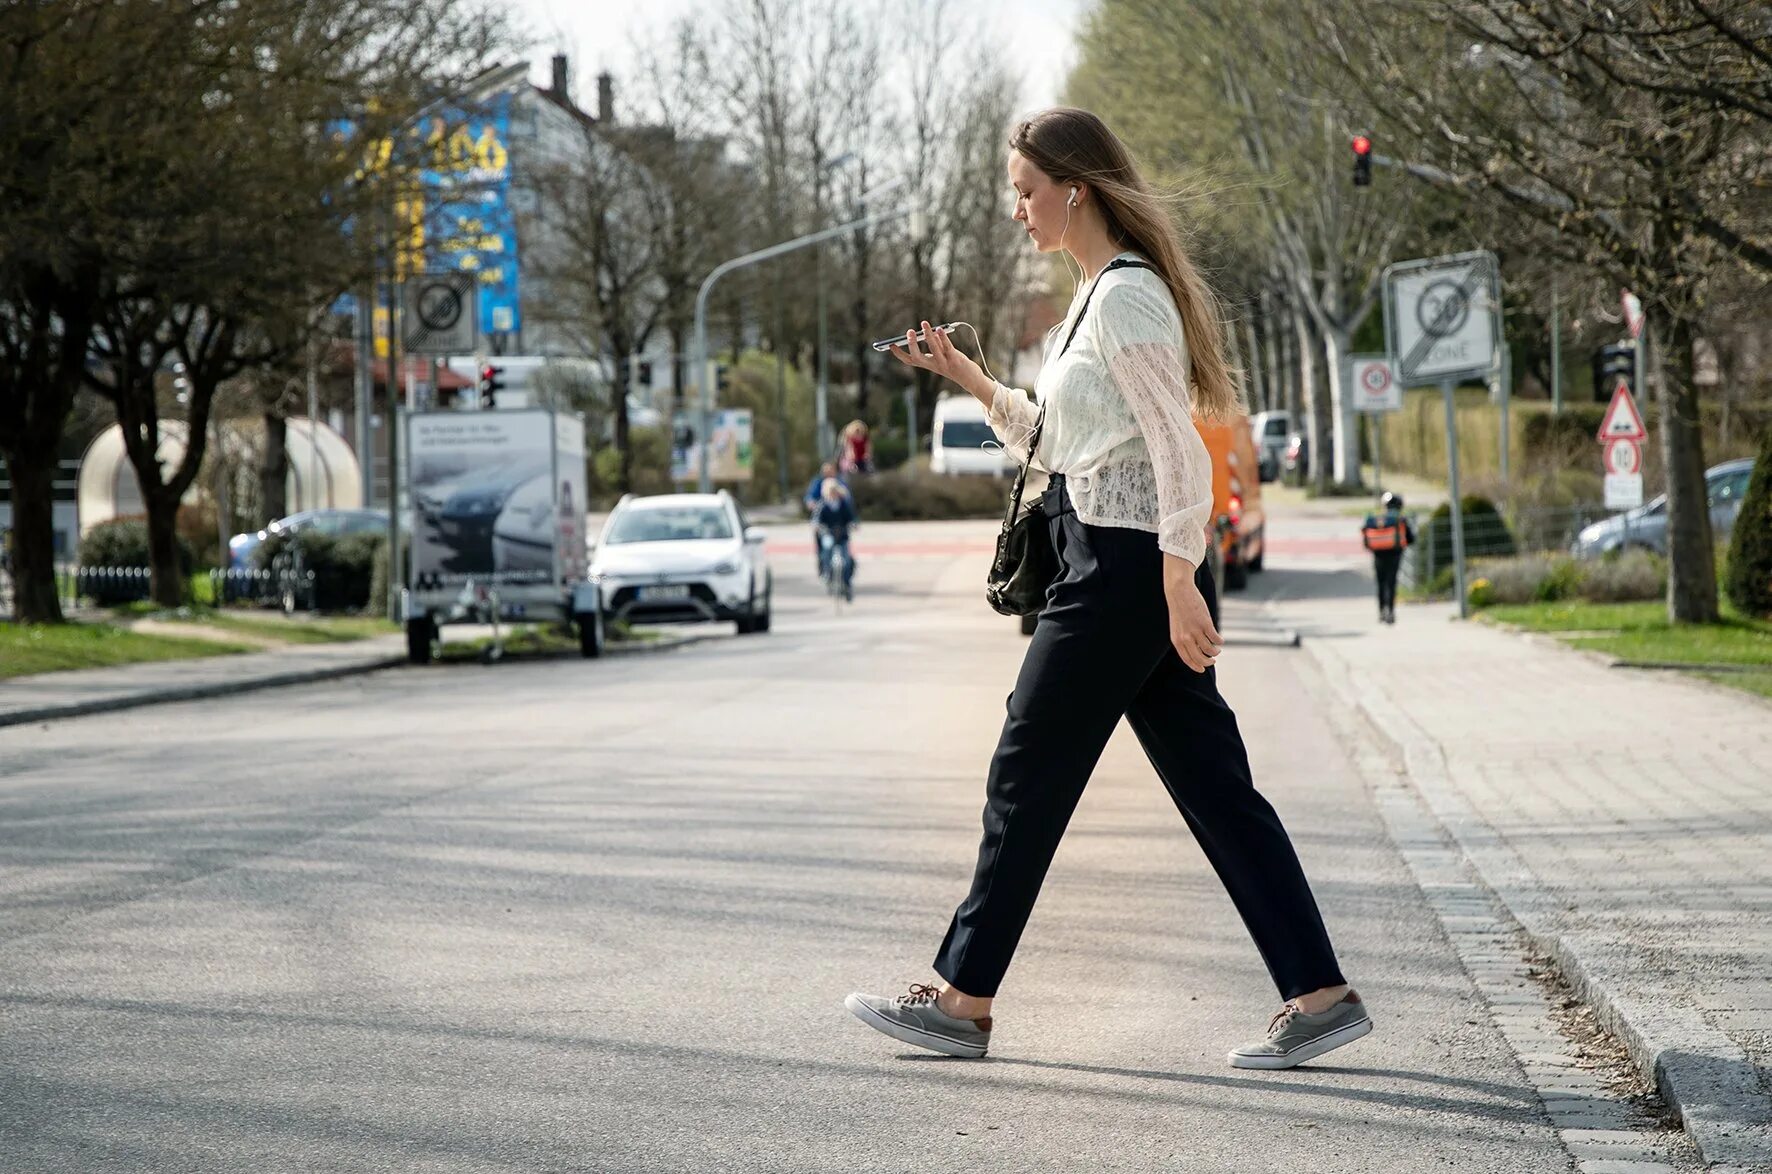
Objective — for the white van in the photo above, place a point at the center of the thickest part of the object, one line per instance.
(958, 440)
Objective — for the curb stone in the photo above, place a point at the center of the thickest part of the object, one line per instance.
(1703, 1075)
(275, 680)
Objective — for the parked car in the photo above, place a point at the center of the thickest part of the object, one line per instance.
(1270, 431)
(960, 441)
(1239, 522)
(683, 558)
(1646, 526)
(330, 521)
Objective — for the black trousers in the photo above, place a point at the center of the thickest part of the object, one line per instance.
(1101, 651)
(1386, 563)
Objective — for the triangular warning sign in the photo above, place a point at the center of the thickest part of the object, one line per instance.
(1622, 421)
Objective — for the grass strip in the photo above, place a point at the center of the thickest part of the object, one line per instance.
(48, 648)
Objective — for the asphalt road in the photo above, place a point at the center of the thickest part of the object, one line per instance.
(568, 915)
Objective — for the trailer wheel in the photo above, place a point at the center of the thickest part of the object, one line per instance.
(421, 640)
(590, 633)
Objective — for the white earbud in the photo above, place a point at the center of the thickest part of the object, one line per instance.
(1072, 202)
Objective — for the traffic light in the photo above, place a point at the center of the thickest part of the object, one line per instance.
(1362, 161)
(721, 379)
(1612, 363)
(491, 382)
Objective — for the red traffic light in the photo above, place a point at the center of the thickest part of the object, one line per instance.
(1362, 145)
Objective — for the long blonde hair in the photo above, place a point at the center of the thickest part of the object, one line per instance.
(1075, 146)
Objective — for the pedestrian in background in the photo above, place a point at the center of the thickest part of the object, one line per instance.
(1387, 534)
(1126, 630)
(856, 453)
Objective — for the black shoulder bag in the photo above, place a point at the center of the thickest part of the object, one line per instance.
(1026, 564)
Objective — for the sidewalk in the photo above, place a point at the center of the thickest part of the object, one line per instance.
(83, 691)
(1624, 819)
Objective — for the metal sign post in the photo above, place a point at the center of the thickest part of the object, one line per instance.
(1442, 322)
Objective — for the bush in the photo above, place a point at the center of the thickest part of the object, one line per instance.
(327, 572)
(905, 494)
(113, 560)
(1485, 532)
(1532, 578)
(1748, 580)
(1624, 577)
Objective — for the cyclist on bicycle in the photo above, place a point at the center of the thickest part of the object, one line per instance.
(835, 519)
(811, 501)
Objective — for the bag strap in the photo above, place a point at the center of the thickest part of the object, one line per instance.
(1040, 421)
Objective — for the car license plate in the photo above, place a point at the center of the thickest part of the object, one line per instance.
(670, 591)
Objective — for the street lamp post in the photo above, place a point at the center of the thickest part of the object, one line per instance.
(699, 356)
(822, 429)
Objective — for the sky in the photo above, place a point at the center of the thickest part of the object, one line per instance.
(594, 35)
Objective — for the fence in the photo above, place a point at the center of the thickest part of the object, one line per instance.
(1543, 529)
(292, 587)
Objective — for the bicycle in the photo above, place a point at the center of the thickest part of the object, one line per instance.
(835, 572)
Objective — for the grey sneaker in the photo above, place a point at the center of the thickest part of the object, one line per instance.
(1294, 1037)
(915, 1019)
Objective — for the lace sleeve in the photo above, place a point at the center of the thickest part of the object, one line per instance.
(1011, 416)
(1141, 340)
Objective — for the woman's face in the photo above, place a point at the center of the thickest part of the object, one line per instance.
(1039, 202)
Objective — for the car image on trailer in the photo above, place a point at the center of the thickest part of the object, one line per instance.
(683, 558)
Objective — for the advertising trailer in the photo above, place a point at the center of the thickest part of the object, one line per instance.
(498, 524)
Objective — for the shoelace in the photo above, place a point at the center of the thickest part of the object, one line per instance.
(919, 995)
(1282, 1017)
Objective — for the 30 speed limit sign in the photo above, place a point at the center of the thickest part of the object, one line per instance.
(1624, 458)
(1375, 384)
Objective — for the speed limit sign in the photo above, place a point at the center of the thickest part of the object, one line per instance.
(1375, 384)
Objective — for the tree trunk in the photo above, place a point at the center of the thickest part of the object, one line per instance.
(1692, 566)
(1344, 425)
(1276, 393)
(32, 472)
(273, 478)
(167, 575)
(1311, 418)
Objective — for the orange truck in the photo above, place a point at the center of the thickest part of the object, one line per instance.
(1237, 522)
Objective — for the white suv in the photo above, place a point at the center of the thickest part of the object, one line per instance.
(682, 558)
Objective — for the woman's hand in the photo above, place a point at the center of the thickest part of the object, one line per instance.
(938, 353)
(1190, 624)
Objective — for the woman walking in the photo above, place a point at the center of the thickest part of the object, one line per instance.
(1126, 628)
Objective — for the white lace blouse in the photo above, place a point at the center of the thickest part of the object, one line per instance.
(1119, 415)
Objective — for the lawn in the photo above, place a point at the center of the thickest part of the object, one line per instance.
(1641, 632)
(328, 630)
(45, 648)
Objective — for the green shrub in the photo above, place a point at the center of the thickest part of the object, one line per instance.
(1626, 576)
(113, 560)
(328, 573)
(1748, 580)
(904, 494)
(1481, 593)
(1485, 532)
(1531, 578)
(123, 542)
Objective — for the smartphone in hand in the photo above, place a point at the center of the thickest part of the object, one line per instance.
(886, 344)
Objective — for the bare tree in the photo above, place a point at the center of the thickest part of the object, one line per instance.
(1605, 151)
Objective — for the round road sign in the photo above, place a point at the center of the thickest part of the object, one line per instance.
(1375, 379)
(1443, 308)
(1624, 457)
(439, 307)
